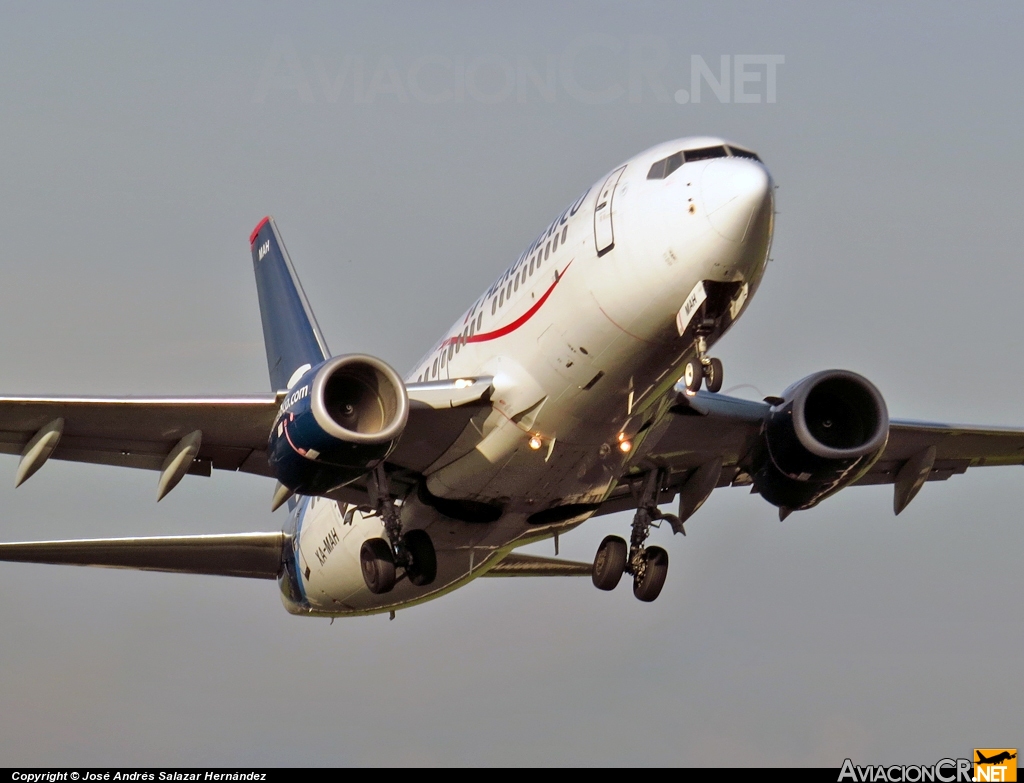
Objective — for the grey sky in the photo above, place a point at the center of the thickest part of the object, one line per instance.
(141, 144)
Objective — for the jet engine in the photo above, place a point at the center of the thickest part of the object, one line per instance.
(337, 422)
(824, 433)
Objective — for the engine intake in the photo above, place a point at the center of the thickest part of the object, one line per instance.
(337, 423)
(825, 434)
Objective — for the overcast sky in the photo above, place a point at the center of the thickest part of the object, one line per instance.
(409, 152)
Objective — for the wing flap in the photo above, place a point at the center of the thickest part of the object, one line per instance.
(252, 555)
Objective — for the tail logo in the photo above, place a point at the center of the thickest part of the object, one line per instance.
(264, 249)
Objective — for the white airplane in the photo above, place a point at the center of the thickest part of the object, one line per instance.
(570, 388)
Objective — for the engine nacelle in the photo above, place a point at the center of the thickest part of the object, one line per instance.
(827, 431)
(338, 422)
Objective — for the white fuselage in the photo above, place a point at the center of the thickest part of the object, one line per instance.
(580, 335)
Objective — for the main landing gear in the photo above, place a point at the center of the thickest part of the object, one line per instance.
(648, 565)
(702, 367)
(381, 558)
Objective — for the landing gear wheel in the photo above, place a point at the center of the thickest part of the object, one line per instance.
(714, 375)
(423, 568)
(378, 565)
(648, 586)
(693, 374)
(609, 563)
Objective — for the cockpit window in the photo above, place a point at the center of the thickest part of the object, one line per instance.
(664, 167)
(704, 153)
(741, 153)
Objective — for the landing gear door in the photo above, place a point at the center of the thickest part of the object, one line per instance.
(604, 233)
(691, 305)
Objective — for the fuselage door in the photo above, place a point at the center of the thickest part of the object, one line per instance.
(604, 233)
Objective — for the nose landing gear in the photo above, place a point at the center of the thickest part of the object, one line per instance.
(380, 558)
(647, 565)
(703, 368)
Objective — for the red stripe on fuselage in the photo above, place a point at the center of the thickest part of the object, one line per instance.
(509, 328)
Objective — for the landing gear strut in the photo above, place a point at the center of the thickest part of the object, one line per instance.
(381, 558)
(702, 367)
(648, 565)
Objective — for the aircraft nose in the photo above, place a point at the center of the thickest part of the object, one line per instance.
(733, 191)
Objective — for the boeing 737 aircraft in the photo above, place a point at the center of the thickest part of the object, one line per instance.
(572, 387)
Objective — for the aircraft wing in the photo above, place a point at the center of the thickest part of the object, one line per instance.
(139, 432)
(143, 432)
(957, 447)
(708, 427)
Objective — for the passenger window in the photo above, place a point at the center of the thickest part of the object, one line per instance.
(540, 257)
(442, 360)
(547, 251)
(501, 299)
(564, 232)
(494, 305)
(435, 367)
(531, 266)
(554, 243)
(479, 321)
(451, 350)
(517, 283)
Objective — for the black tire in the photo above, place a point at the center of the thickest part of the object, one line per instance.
(423, 569)
(609, 563)
(715, 375)
(693, 374)
(378, 564)
(649, 588)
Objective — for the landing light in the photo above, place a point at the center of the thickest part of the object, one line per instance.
(625, 445)
(463, 383)
(536, 443)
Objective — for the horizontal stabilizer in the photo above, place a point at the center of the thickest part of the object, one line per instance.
(253, 555)
(531, 565)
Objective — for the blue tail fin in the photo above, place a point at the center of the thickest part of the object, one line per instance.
(290, 330)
